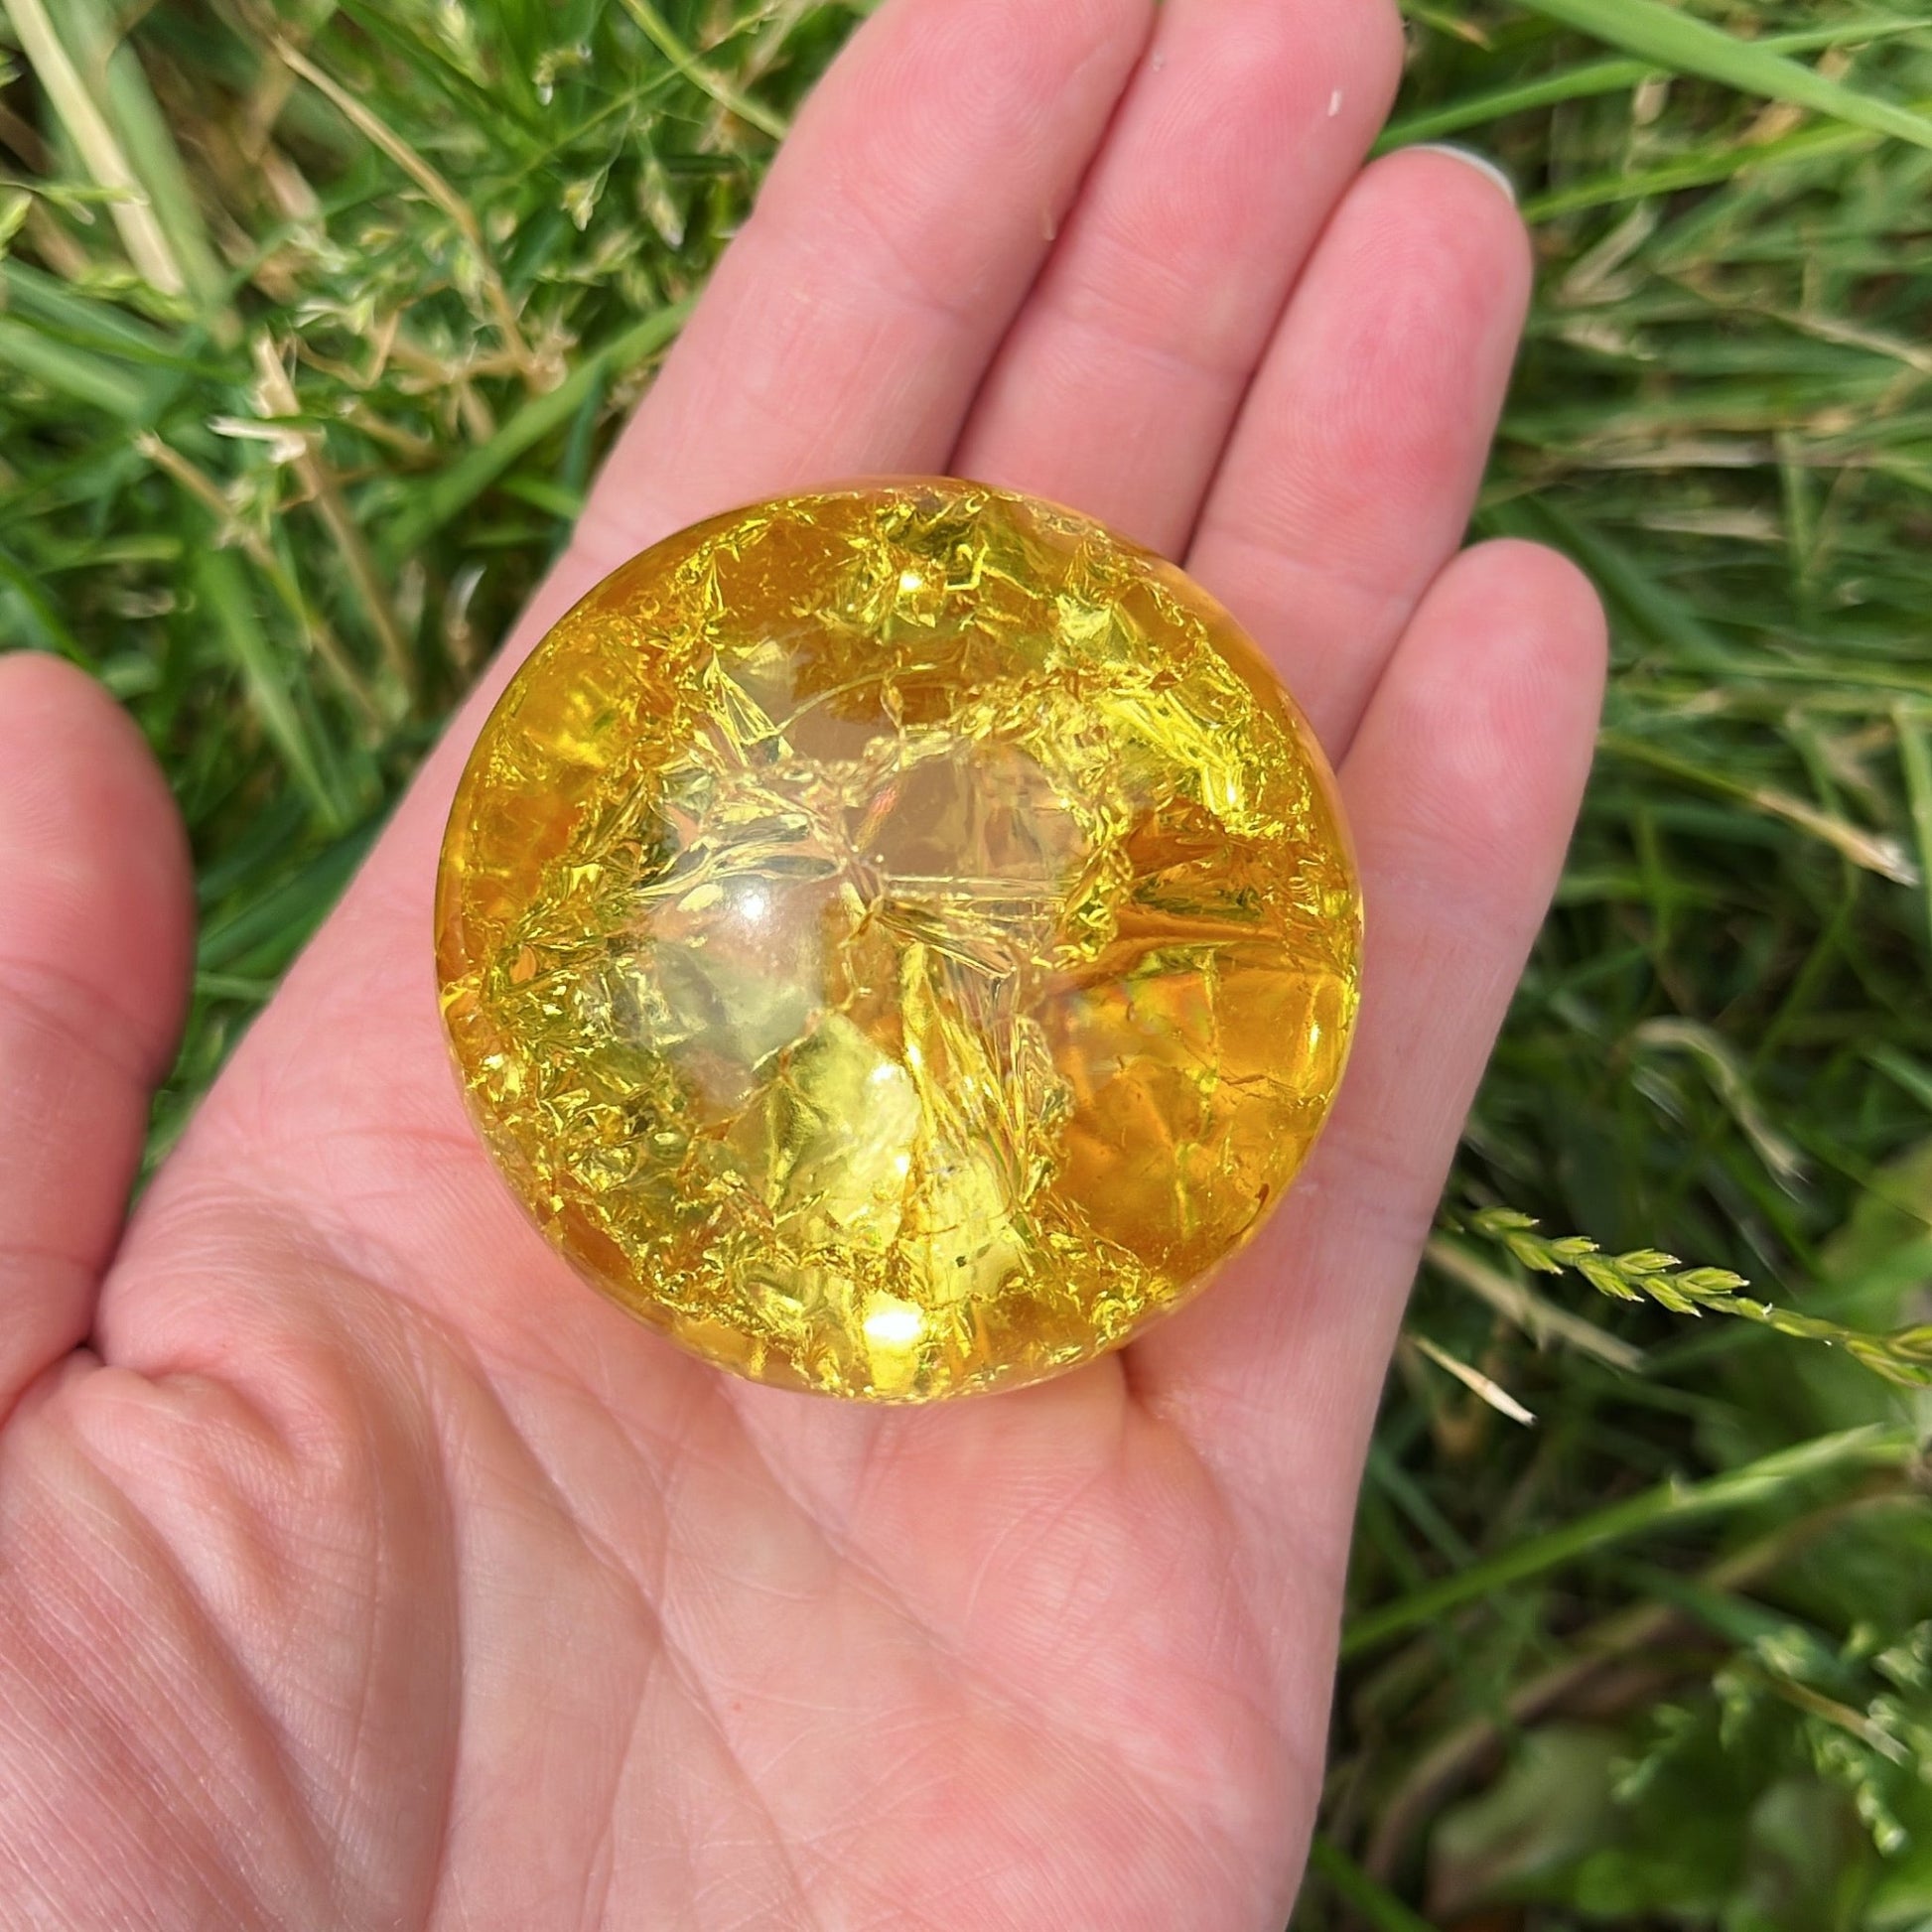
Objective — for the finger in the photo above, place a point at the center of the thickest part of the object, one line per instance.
(95, 931)
(1463, 786)
(1115, 390)
(1350, 476)
(848, 323)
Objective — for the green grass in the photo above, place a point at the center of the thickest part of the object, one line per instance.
(286, 439)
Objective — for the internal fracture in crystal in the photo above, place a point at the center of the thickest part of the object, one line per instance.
(898, 940)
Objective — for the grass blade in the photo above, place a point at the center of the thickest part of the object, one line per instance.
(34, 622)
(225, 593)
(1603, 77)
(73, 371)
(258, 938)
(467, 479)
(1667, 1503)
(93, 139)
(149, 144)
(1915, 757)
(1372, 1904)
(1669, 39)
(699, 74)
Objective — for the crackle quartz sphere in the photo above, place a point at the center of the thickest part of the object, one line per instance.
(897, 941)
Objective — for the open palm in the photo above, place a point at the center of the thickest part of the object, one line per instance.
(361, 1566)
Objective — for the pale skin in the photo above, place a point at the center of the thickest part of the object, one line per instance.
(360, 1567)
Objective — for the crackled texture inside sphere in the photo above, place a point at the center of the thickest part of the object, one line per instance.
(895, 940)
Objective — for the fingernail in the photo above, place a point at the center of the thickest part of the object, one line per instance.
(1479, 162)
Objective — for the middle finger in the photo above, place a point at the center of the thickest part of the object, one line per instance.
(1115, 387)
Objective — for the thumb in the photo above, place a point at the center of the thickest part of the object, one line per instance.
(96, 922)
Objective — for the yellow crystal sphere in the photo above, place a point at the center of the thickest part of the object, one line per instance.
(895, 940)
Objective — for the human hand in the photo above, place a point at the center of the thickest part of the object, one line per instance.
(362, 1568)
